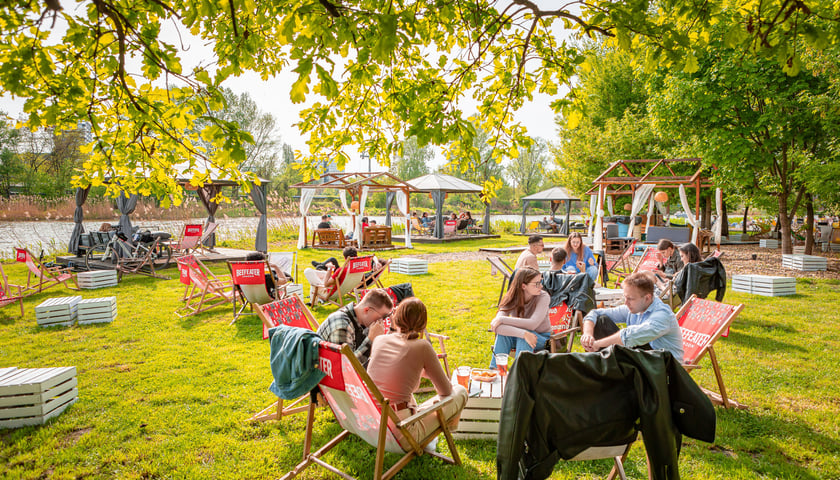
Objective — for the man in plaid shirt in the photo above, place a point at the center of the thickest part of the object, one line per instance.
(357, 324)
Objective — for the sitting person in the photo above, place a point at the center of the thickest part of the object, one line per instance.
(319, 278)
(272, 279)
(464, 220)
(522, 321)
(325, 222)
(650, 323)
(558, 260)
(579, 257)
(426, 221)
(397, 362)
(358, 324)
(703, 276)
(528, 257)
(550, 225)
(672, 261)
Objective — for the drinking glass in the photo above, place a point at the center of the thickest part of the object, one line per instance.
(463, 376)
(502, 363)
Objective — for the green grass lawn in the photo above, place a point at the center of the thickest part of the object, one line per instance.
(165, 397)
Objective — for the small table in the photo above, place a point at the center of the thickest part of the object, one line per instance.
(610, 297)
(480, 417)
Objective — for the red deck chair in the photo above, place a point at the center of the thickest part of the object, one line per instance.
(361, 410)
(41, 277)
(651, 258)
(248, 279)
(564, 324)
(702, 322)
(189, 239)
(348, 278)
(208, 290)
(622, 262)
(291, 312)
(9, 293)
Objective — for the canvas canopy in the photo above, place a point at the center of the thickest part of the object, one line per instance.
(555, 195)
(438, 185)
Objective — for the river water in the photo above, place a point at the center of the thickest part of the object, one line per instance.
(53, 236)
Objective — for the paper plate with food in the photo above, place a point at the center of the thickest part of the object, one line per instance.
(482, 375)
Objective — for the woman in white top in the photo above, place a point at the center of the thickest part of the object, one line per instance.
(522, 321)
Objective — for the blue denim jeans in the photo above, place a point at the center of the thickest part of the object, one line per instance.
(504, 344)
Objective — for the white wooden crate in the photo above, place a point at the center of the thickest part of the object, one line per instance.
(768, 243)
(97, 279)
(611, 297)
(799, 249)
(31, 396)
(97, 310)
(480, 416)
(409, 266)
(766, 285)
(294, 289)
(57, 311)
(804, 262)
(544, 265)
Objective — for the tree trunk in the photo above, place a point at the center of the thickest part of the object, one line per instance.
(724, 227)
(707, 212)
(809, 224)
(784, 223)
(744, 222)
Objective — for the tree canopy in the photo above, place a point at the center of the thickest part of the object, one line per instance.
(379, 72)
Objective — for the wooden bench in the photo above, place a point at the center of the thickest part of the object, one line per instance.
(328, 237)
(376, 236)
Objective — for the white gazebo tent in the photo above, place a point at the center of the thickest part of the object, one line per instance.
(438, 185)
(555, 195)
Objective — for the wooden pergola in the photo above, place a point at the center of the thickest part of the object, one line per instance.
(624, 177)
(353, 182)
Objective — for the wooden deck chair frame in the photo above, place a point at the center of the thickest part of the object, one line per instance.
(415, 224)
(209, 291)
(248, 278)
(10, 293)
(348, 278)
(649, 263)
(290, 311)
(449, 227)
(618, 453)
(622, 261)
(189, 239)
(565, 323)
(41, 277)
(142, 265)
(499, 265)
(702, 322)
(368, 415)
(209, 229)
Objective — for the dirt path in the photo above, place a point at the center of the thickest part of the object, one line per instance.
(737, 259)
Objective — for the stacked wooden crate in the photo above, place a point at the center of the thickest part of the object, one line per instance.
(97, 279)
(97, 310)
(768, 243)
(409, 266)
(31, 396)
(766, 285)
(57, 311)
(810, 263)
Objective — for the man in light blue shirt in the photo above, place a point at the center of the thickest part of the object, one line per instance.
(649, 322)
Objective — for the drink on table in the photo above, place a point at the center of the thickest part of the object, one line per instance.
(463, 376)
(502, 363)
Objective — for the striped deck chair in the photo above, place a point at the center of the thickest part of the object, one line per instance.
(347, 279)
(291, 312)
(190, 236)
(499, 265)
(249, 280)
(41, 277)
(10, 293)
(208, 290)
(361, 410)
(565, 323)
(702, 322)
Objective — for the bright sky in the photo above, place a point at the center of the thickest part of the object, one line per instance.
(273, 97)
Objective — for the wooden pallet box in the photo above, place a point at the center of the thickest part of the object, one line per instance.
(480, 416)
(811, 263)
(768, 243)
(97, 279)
(97, 310)
(766, 285)
(57, 311)
(31, 396)
(409, 266)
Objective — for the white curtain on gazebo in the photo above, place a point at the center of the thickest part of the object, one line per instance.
(593, 204)
(610, 208)
(402, 206)
(362, 199)
(640, 197)
(689, 215)
(598, 239)
(306, 196)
